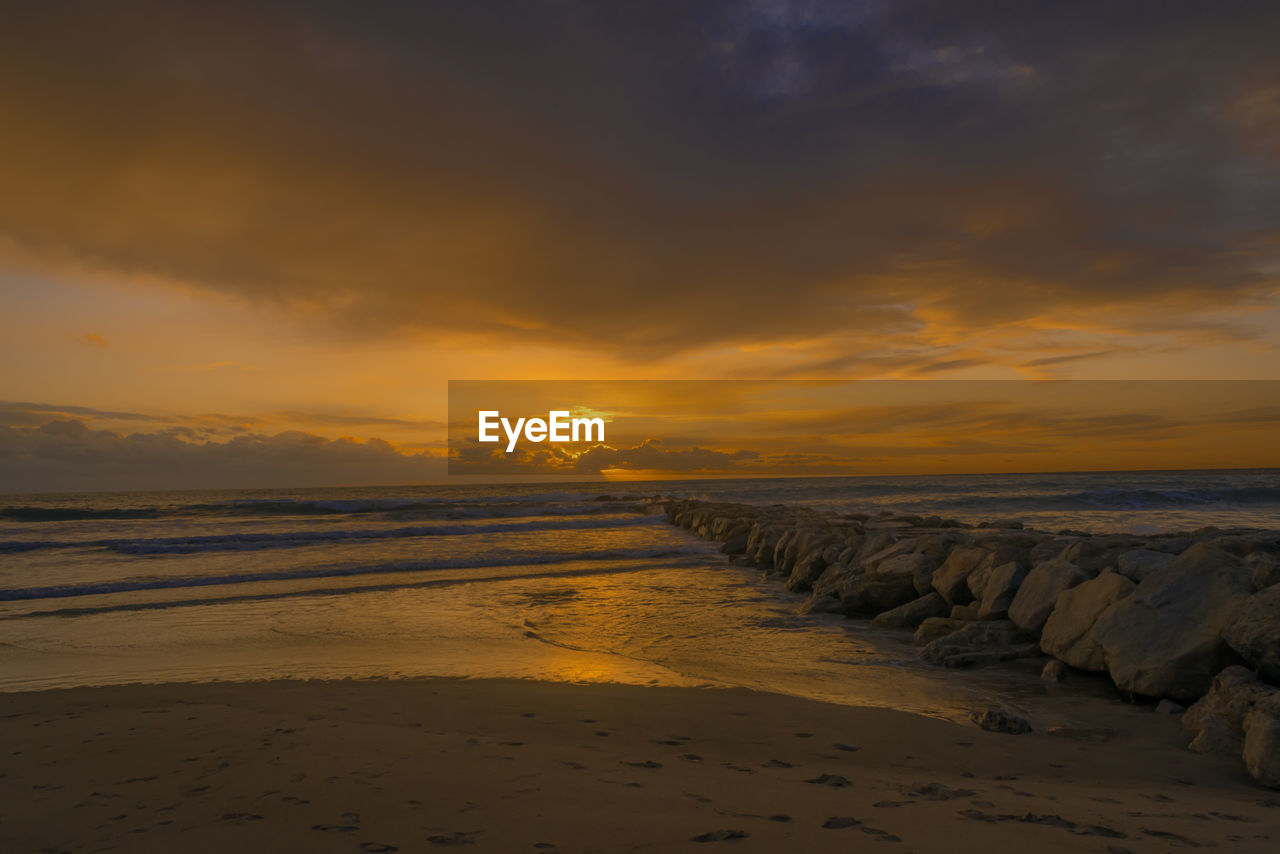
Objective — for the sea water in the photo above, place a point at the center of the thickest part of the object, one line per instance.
(567, 582)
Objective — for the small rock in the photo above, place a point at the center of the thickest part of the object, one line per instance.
(1001, 720)
(1054, 671)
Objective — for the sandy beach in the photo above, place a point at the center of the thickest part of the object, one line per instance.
(502, 765)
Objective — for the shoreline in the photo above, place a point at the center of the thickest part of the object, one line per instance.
(508, 765)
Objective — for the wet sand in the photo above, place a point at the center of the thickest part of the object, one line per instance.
(510, 766)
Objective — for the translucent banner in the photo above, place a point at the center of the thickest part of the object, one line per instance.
(749, 428)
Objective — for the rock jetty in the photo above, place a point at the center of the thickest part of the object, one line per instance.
(1192, 619)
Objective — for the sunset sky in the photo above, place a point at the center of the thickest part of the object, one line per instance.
(269, 234)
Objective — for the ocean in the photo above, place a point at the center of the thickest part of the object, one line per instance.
(574, 582)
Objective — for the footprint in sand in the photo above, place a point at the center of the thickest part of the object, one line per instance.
(378, 848)
(1048, 820)
(350, 822)
(454, 837)
(1169, 836)
(839, 822)
(834, 780)
(776, 763)
(720, 836)
(935, 791)
(648, 763)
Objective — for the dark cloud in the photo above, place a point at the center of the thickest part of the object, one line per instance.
(658, 176)
(18, 413)
(67, 455)
(1049, 361)
(334, 419)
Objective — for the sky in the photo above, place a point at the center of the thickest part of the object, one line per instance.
(248, 244)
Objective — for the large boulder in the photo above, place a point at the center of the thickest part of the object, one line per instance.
(913, 613)
(867, 595)
(999, 589)
(1265, 568)
(980, 643)
(1254, 632)
(1217, 718)
(1091, 555)
(873, 544)
(938, 627)
(806, 570)
(1039, 591)
(939, 546)
(1004, 549)
(950, 579)
(1261, 751)
(1166, 639)
(832, 579)
(736, 544)
(1047, 549)
(1067, 634)
(1137, 564)
(799, 555)
(821, 603)
(914, 565)
(904, 546)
